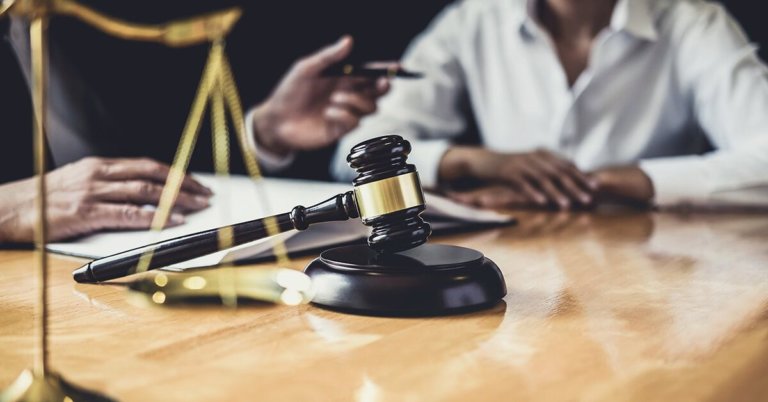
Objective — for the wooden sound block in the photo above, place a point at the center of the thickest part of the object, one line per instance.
(431, 279)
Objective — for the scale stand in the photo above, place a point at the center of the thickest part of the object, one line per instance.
(41, 383)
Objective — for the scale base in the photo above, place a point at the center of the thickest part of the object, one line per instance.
(50, 387)
(429, 280)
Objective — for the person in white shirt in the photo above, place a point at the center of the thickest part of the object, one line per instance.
(645, 101)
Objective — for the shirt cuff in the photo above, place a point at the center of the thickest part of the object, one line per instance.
(677, 180)
(426, 156)
(268, 161)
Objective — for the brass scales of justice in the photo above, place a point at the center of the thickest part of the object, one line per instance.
(216, 87)
(395, 274)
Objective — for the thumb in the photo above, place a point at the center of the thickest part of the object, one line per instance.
(327, 56)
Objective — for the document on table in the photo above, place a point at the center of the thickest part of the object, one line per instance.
(238, 199)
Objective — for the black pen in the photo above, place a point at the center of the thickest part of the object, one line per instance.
(353, 70)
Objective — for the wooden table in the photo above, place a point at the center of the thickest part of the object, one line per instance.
(610, 306)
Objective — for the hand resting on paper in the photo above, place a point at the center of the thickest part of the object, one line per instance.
(94, 194)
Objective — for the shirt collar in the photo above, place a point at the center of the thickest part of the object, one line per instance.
(632, 16)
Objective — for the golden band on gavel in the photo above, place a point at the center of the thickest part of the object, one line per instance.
(389, 195)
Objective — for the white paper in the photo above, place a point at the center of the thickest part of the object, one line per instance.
(238, 199)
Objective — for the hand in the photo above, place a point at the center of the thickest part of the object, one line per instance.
(94, 194)
(625, 184)
(532, 179)
(309, 111)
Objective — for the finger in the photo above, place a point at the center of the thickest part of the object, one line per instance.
(546, 170)
(382, 86)
(529, 191)
(368, 87)
(574, 191)
(147, 169)
(503, 167)
(365, 86)
(327, 56)
(145, 192)
(534, 173)
(342, 119)
(127, 216)
(350, 100)
(545, 165)
(555, 195)
(582, 179)
(495, 168)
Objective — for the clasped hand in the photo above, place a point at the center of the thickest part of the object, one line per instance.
(532, 179)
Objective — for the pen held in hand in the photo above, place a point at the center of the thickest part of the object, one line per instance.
(353, 70)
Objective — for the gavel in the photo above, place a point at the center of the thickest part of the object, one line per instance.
(395, 274)
(387, 196)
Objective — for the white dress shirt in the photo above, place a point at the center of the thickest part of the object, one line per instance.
(666, 82)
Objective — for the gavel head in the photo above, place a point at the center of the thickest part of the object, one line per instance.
(388, 194)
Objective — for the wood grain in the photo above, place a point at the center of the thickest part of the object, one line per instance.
(608, 306)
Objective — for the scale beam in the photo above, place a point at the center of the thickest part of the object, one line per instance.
(203, 28)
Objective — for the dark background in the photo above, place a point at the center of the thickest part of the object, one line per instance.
(147, 89)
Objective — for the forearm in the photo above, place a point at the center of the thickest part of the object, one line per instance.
(12, 196)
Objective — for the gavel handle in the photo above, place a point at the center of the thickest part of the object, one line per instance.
(172, 251)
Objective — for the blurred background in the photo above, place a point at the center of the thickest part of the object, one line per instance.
(144, 91)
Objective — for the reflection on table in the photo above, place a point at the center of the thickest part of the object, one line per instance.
(602, 306)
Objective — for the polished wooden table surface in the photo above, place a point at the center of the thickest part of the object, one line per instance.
(609, 306)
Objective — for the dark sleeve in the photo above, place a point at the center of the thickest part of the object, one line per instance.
(15, 115)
